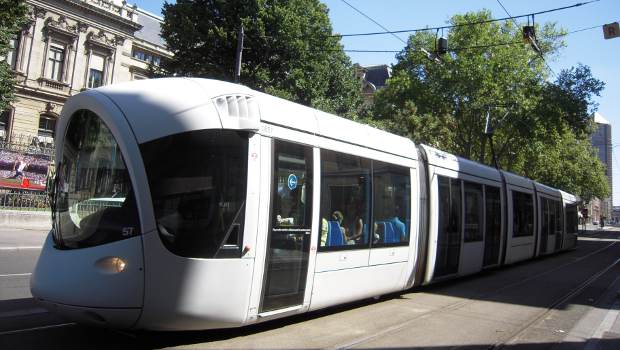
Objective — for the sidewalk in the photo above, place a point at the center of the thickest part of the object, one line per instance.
(24, 219)
(600, 327)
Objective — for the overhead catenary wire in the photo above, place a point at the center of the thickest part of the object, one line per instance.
(386, 32)
(373, 21)
(428, 54)
(483, 46)
(478, 46)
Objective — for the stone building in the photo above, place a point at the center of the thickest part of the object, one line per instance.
(372, 78)
(69, 46)
(615, 215)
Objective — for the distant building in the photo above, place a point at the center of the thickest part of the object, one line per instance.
(615, 215)
(601, 140)
(372, 79)
(73, 45)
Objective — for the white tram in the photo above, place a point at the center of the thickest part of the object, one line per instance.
(186, 204)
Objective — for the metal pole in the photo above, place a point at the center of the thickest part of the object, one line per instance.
(238, 55)
(493, 152)
(488, 130)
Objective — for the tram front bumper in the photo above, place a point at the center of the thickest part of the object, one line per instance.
(83, 286)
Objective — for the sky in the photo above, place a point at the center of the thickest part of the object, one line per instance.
(587, 47)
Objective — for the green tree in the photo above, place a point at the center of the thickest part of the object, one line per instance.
(289, 50)
(445, 103)
(570, 99)
(12, 18)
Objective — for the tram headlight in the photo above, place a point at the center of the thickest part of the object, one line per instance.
(119, 264)
(111, 264)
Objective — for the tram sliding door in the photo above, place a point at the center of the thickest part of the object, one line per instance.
(289, 235)
(473, 238)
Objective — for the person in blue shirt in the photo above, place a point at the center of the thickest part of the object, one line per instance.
(400, 227)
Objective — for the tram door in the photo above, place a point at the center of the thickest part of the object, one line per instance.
(473, 237)
(493, 229)
(291, 218)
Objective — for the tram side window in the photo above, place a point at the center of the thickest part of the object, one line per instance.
(522, 214)
(293, 180)
(552, 205)
(558, 218)
(449, 230)
(345, 200)
(391, 204)
(545, 216)
(473, 212)
(95, 201)
(572, 222)
(198, 183)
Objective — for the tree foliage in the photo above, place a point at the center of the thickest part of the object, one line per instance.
(12, 18)
(540, 128)
(289, 50)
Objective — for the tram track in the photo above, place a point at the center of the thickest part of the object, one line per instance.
(516, 279)
(557, 303)
(471, 300)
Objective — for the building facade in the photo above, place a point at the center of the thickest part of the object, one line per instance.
(601, 140)
(372, 78)
(69, 46)
(615, 215)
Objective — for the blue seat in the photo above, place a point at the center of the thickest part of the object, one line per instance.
(334, 234)
(389, 233)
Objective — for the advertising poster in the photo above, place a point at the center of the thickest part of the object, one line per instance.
(23, 171)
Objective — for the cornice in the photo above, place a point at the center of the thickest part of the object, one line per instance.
(92, 8)
(115, 16)
(61, 26)
(101, 40)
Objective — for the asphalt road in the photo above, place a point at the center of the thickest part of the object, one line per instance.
(19, 250)
(566, 301)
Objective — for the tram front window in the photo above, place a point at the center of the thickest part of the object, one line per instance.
(198, 185)
(94, 200)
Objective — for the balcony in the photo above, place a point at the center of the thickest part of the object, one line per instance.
(55, 85)
(111, 9)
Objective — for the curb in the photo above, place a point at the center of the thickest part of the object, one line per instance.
(25, 219)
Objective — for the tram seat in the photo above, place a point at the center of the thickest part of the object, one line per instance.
(334, 234)
(389, 233)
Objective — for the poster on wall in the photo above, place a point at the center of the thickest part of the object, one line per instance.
(23, 171)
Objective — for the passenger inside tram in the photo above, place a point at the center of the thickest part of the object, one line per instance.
(353, 224)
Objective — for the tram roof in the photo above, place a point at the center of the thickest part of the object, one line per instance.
(569, 197)
(447, 160)
(548, 190)
(159, 107)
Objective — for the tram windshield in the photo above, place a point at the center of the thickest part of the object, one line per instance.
(94, 201)
(198, 185)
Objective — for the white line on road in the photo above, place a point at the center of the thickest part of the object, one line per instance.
(599, 239)
(21, 248)
(17, 274)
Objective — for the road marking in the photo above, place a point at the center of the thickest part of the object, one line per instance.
(17, 275)
(24, 312)
(37, 328)
(599, 239)
(21, 248)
